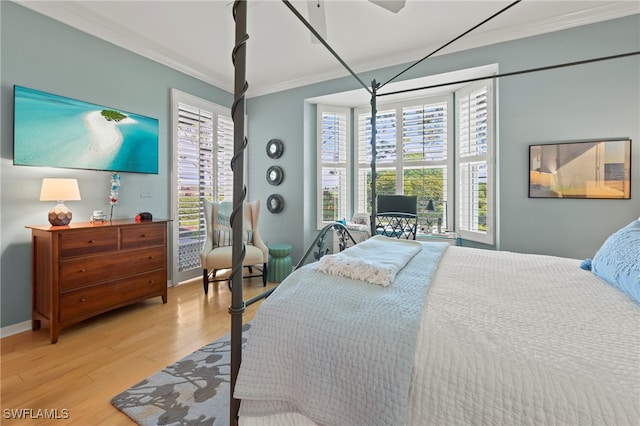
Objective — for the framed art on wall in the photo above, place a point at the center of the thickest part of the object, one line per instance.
(55, 131)
(582, 169)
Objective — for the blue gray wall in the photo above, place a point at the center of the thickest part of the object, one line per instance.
(41, 53)
(598, 100)
(592, 101)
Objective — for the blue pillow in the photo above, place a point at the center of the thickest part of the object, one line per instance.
(618, 260)
(586, 264)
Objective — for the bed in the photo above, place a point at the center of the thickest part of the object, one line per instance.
(507, 338)
(485, 337)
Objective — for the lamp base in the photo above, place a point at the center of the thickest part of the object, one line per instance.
(60, 215)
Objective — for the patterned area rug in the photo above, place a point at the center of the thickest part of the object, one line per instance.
(193, 391)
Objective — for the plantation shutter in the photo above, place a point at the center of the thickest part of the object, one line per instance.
(474, 164)
(385, 138)
(225, 154)
(203, 148)
(333, 194)
(196, 167)
(412, 153)
(424, 132)
(386, 156)
(363, 164)
(424, 159)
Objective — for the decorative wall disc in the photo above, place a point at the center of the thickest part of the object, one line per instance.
(275, 148)
(275, 203)
(275, 174)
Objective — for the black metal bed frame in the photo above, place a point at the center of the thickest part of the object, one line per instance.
(238, 111)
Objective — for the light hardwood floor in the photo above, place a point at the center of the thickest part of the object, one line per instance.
(103, 356)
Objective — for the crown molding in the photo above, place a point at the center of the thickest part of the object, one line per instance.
(558, 23)
(77, 16)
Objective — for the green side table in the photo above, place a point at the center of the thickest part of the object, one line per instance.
(279, 262)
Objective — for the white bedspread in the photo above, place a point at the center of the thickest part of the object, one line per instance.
(513, 339)
(338, 350)
(376, 260)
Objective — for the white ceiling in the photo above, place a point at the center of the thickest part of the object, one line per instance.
(196, 37)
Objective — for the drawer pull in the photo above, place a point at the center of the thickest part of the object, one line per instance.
(83, 300)
(151, 257)
(92, 241)
(152, 282)
(82, 270)
(144, 235)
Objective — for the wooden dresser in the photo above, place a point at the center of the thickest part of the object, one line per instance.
(84, 269)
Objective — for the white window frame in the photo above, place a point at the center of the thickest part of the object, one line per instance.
(453, 187)
(345, 190)
(400, 164)
(463, 200)
(221, 121)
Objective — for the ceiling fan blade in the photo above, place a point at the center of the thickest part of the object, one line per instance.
(317, 18)
(391, 5)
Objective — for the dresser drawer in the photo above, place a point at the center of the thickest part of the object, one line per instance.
(84, 271)
(88, 241)
(143, 235)
(89, 301)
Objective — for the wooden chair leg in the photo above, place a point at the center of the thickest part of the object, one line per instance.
(205, 281)
(264, 275)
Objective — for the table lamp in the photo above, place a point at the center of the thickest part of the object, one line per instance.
(60, 190)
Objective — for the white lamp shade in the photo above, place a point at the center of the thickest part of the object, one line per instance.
(55, 189)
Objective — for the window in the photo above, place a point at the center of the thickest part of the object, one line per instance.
(203, 147)
(475, 163)
(385, 156)
(438, 146)
(413, 154)
(333, 165)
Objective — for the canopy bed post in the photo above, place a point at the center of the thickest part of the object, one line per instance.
(238, 305)
(374, 153)
(238, 112)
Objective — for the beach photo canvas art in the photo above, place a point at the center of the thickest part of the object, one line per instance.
(56, 131)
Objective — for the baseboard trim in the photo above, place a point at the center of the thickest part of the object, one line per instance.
(21, 327)
(10, 330)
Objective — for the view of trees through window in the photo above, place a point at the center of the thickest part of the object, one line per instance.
(437, 148)
(427, 183)
(412, 154)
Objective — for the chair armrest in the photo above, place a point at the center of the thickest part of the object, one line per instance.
(208, 246)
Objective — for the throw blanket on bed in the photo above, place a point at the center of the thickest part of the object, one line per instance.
(376, 260)
(337, 350)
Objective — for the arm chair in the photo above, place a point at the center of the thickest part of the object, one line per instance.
(217, 251)
(397, 216)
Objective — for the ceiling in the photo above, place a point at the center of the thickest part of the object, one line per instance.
(196, 37)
